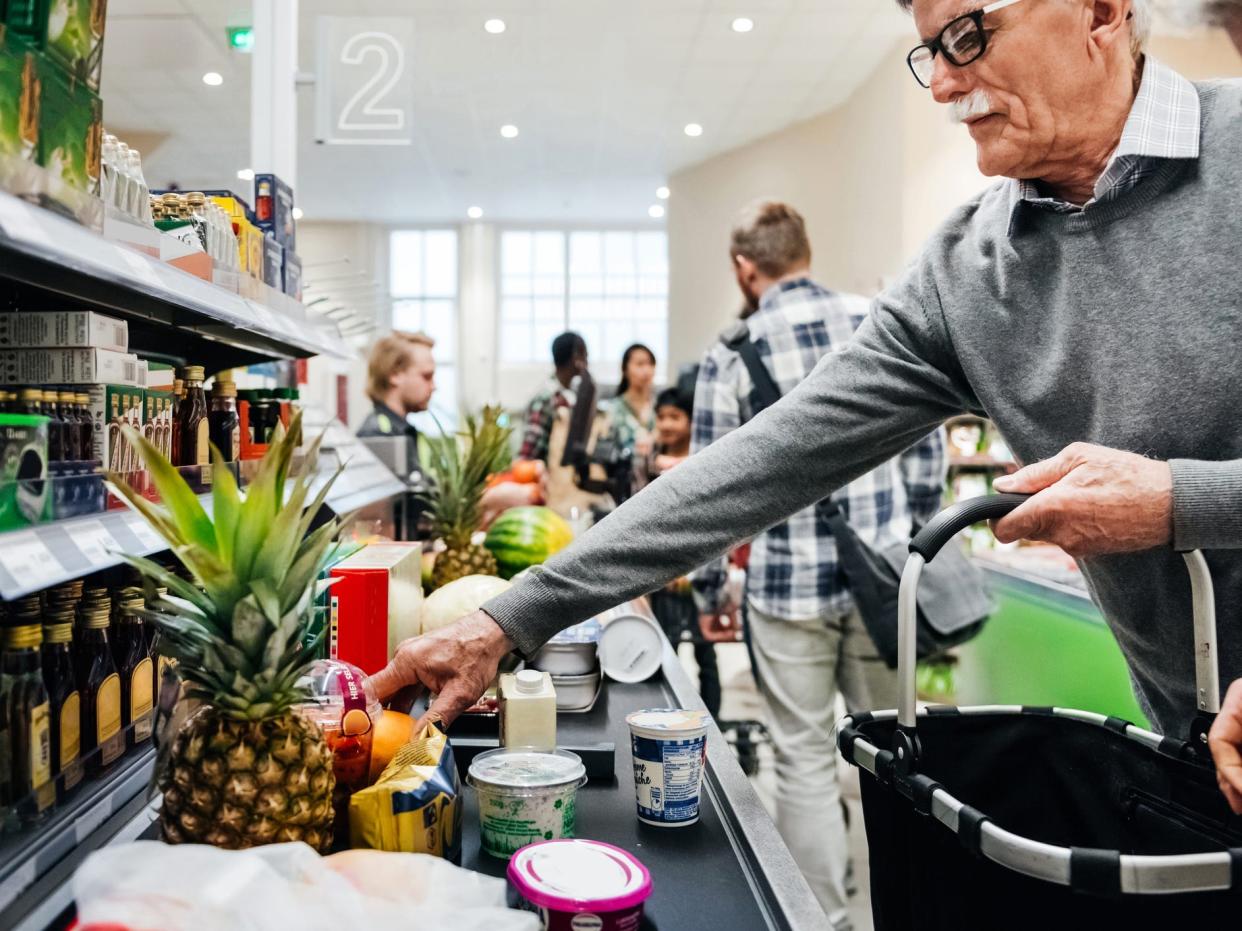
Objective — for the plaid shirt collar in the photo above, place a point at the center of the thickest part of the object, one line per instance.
(1163, 124)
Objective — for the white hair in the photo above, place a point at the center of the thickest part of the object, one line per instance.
(1140, 25)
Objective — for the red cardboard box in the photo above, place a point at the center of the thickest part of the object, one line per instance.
(376, 603)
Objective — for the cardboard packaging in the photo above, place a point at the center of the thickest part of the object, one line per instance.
(68, 367)
(273, 263)
(70, 32)
(273, 209)
(63, 329)
(375, 605)
(70, 130)
(25, 492)
(111, 407)
(293, 275)
(20, 95)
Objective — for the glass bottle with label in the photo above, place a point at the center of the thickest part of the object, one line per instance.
(192, 425)
(86, 424)
(30, 726)
(134, 666)
(62, 692)
(225, 425)
(72, 426)
(99, 686)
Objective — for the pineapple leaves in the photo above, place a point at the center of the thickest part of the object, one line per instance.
(225, 504)
(461, 465)
(174, 583)
(187, 511)
(249, 628)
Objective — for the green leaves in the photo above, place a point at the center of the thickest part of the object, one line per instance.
(460, 466)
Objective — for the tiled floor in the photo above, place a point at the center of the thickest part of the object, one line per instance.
(742, 702)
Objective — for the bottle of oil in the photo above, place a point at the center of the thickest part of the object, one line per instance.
(62, 688)
(30, 726)
(99, 685)
(193, 427)
(175, 443)
(225, 425)
(55, 427)
(72, 427)
(86, 424)
(134, 665)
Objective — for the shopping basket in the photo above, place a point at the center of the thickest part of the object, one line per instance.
(1012, 817)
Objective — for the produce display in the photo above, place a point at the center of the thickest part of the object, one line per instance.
(525, 537)
(246, 768)
(460, 467)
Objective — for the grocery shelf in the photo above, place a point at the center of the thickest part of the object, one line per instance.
(44, 254)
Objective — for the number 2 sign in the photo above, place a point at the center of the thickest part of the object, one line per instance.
(364, 89)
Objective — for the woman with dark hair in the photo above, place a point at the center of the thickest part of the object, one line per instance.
(632, 411)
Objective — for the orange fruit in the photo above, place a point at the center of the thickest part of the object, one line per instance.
(525, 471)
(392, 731)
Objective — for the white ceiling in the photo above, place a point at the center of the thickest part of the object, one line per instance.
(600, 89)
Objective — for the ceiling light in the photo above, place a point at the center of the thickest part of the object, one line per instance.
(662, 193)
(213, 79)
(241, 38)
(743, 24)
(655, 211)
(495, 26)
(475, 213)
(246, 174)
(509, 131)
(694, 129)
(297, 213)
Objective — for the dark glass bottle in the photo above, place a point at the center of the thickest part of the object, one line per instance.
(86, 424)
(30, 401)
(99, 688)
(225, 425)
(134, 667)
(192, 425)
(62, 692)
(72, 429)
(178, 395)
(30, 726)
(55, 427)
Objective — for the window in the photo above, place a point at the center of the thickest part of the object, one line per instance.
(423, 285)
(610, 286)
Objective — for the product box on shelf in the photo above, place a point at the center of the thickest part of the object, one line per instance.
(19, 100)
(70, 130)
(63, 329)
(70, 32)
(250, 243)
(273, 262)
(68, 367)
(375, 603)
(273, 208)
(25, 493)
(293, 275)
(111, 407)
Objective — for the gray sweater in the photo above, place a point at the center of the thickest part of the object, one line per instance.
(1120, 325)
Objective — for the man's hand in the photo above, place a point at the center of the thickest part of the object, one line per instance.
(458, 662)
(1091, 500)
(1225, 742)
(721, 627)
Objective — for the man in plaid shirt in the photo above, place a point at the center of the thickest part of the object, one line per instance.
(569, 355)
(807, 639)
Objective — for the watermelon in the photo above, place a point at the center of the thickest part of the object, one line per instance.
(524, 537)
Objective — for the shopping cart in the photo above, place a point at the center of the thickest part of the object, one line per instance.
(1011, 817)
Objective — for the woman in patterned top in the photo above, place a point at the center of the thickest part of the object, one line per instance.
(632, 411)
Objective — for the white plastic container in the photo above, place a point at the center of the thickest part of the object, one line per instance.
(669, 747)
(631, 646)
(525, 795)
(576, 693)
(527, 710)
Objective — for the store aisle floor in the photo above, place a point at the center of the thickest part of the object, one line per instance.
(741, 702)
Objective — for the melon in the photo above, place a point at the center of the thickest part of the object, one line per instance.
(525, 537)
(457, 599)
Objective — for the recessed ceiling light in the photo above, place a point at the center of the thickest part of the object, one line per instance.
(655, 211)
(297, 213)
(694, 129)
(246, 174)
(509, 131)
(213, 79)
(662, 193)
(475, 213)
(495, 26)
(743, 24)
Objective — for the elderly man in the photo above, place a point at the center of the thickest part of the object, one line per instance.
(1086, 303)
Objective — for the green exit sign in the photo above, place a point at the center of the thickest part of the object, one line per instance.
(241, 38)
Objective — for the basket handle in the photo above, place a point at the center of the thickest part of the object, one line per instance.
(945, 525)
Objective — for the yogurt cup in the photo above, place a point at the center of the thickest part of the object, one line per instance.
(525, 795)
(581, 885)
(669, 747)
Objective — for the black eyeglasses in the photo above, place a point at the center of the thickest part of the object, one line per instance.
(962, 41)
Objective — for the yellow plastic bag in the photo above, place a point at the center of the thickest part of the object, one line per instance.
(415, 805)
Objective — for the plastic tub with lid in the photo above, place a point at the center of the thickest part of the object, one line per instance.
(576, 885)
(525, 795)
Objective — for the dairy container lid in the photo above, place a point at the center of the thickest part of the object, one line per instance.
(631, 649)
(669, 720)
(526, 768)
(579, 876)
(586, 632)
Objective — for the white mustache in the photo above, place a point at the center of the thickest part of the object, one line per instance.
(976, 103)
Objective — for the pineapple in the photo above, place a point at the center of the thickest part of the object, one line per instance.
(454, 500)
(245, 768)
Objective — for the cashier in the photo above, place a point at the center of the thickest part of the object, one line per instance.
(1087, 302)
(401, 378)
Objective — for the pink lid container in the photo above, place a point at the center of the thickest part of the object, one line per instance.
(568, 878)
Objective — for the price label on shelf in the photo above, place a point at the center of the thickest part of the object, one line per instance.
(87, 823)
(140, 265)
(29, 561)
(20, 221)
(145, 533)
(95, 542)
(17, 882)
